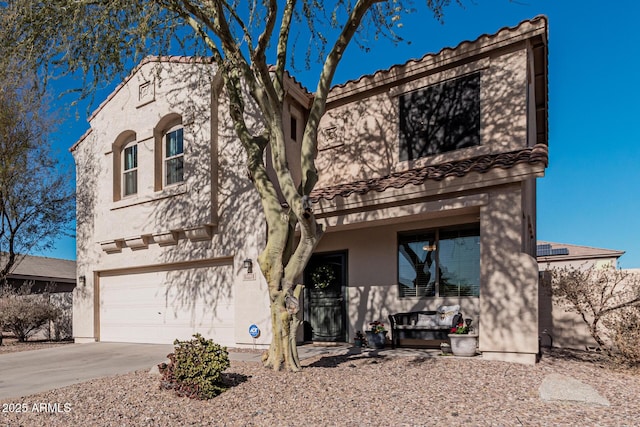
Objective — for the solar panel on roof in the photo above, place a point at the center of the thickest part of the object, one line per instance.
(543, 250)
(546, 250)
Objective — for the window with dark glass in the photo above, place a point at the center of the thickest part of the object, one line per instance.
(439, 263)
(293, 131)
(130, 170)
(174, 157)
(440, 118)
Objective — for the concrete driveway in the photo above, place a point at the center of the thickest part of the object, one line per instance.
(29, 372)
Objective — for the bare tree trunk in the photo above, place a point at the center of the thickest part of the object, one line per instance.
(285, 322)
(281, 270)
(280, 267)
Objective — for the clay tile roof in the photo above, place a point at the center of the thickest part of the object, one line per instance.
(480, 164)
(484, 38)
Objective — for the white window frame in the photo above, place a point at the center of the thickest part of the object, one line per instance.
(131, 171)
(166, 159)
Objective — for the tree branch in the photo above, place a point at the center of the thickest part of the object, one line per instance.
(283, 43)
(310, 138)
(259, 54)
(241, 24)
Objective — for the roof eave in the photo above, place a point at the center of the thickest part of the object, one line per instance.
(579, 257)
(430, 63)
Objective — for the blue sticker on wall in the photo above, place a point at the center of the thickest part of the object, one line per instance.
(254, 331)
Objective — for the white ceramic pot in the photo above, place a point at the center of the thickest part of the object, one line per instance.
(463, 344)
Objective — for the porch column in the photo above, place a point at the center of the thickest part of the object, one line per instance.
(509, 282)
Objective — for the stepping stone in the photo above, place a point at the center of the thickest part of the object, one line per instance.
(556, 387)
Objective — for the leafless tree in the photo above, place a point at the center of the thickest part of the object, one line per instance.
(597, 293)
(36, 197)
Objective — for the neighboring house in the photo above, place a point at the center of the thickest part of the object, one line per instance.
(51, 274)
(427, 190)
(558, 326)
(55, 279)
(557, 255)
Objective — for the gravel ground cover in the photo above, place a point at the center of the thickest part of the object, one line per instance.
(11, 345)
(352, 389)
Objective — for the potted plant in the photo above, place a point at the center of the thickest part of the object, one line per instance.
(359, 339)
(445, 348)
(377, 335)
(463, 340)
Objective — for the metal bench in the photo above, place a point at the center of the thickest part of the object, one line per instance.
(412, 325)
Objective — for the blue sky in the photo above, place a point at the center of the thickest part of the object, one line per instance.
(590, 193)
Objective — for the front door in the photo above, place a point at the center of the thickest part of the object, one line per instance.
(325, 281)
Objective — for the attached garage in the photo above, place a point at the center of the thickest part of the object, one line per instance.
(160, 304)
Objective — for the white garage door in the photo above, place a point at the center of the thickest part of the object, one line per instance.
(160, 306)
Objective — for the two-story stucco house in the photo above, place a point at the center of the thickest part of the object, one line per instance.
(427, 190)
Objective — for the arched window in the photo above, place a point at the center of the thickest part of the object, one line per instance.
(130, 169)
(169, 151)
(125, 165)
(174, 156)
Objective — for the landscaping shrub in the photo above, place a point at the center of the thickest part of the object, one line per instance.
(62, 326)
(601, 296)
(624, 329)
(24, 315)
(195, 368)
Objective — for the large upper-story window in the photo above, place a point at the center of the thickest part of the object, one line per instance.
(440, 118)
(174, 156)
(439, 263)
(130, 169)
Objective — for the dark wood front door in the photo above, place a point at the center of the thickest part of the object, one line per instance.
(325, 281)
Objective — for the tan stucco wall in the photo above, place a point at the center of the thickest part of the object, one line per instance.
(558, 325)
(216, 198)
(372, 257)
(579, 263)
(359, 139)
(509, 296)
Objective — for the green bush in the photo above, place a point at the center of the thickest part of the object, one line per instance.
(195, 368)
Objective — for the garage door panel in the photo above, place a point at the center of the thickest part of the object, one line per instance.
(157, 307)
